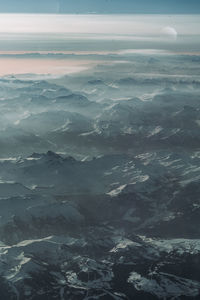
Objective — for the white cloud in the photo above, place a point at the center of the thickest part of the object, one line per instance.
(98, 24)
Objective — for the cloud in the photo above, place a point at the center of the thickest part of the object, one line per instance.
(129, 25)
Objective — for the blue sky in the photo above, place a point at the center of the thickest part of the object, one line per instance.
(101, 6)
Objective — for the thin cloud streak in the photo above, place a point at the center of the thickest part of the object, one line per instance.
(98, 24)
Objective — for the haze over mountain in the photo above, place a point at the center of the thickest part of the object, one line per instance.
(100, 173)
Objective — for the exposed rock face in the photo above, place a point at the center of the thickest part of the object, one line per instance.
(107, 205)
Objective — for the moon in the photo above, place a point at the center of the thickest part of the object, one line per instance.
(170, 32)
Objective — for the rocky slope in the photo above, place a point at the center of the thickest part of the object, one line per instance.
(99, 183)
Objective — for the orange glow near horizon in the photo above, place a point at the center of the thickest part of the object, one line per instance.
(13, 65)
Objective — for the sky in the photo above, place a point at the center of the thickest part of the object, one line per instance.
(123, 26)
(101, 6)
(64, 27)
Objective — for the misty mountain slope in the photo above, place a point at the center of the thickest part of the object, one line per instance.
(123, 119)
(99, 181)
(55, 121)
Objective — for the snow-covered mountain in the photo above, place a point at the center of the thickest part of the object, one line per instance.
(99, 182)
